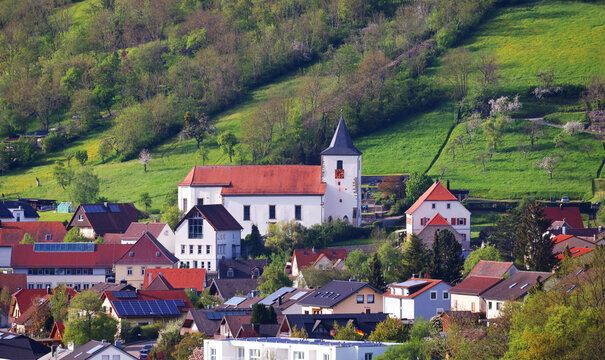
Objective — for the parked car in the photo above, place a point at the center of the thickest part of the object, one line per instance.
(565, 199)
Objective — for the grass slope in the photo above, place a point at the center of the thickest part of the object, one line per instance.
(407, 146)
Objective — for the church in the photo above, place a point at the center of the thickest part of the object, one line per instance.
(264, 194)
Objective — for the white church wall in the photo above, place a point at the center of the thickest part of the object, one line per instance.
(342, 195)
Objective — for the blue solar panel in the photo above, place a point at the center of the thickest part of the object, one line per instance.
(146, 307)
(64, 247)
(124, 294)
(114, 208)
(94, 208)
(217, 315)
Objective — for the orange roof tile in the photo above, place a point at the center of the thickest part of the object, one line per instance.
(560, 238)
(307, 257)
(178, 278)
(11, 233)
(575, 252)
(437, 192)
(437, 220)
(259, 179)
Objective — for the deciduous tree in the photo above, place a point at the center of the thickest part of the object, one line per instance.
(227, 142)
(84, 188)
(144, 158)
(87, 320)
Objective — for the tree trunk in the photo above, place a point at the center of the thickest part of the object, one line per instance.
(145, 168)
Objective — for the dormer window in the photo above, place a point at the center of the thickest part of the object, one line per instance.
(157, 254)
(49, 237)
(131, 254)
(230, 272)
(256, 273)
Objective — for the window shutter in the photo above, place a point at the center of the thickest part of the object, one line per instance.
(453, 221)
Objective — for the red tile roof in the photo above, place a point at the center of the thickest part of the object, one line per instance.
(57, 331)
(420, 290)
(25, 298)
(437, 220)
(571, 215)
(104, 256)
(259, 179)
(307, 257)
(475, 285)
(136, 229)
(12, 233)
(560, 238)
(437, 192)
(13, 281)
(491, 268)
(575, 252)
(178, 278)
(147, 250)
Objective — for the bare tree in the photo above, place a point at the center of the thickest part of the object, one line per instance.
(452, 149)
(443, 171)
(534, 130)
(587, 149)
(548, 164)
(144, 158)
(460, 140)
(457, 66)
(488, 66)
(473, 123)
(523, 148)
(482, 159)
(595, 93)
(572, 127)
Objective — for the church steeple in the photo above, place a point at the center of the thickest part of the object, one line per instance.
(341, 143)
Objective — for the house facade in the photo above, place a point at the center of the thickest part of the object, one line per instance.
(207, 234)
(514, 288)
(343, 297)
(146, 253)
(161, 231)
(17, 211)
(11, 233)
(146, 307)
(77, 265)
(415, 298)
(99, 219)
(322, 259)
(439, 200)
(262, 195)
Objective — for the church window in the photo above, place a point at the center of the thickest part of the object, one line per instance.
(196, 223)
(246, 212)
(271, 211)
(298, 212)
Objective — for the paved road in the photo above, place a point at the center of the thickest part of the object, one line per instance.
(134, 348)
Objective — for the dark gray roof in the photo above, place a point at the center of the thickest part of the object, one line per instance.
(341, 143)
(227, 288)
(318, 326)
(207, 320)
(16, 346)
(92, 348)
(216, 215)
(105, 286)
(28, 210)
(334, 292)
(241, 268)
(516, 286)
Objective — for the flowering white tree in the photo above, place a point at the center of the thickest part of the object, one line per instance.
(504, 106)
(548, 164)
(572, 127)
(144, 158)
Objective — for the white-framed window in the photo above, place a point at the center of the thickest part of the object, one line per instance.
(326, 357)
(489, 305)
(142, 270)
(360, 299)
(271, 211)
(298, 355)
(105, 357)
(246, 212)
(115, 357)
(185, 204)
(209, 265)
(213, 354)
(370, 299)
(199, 249)
(129, 270)
(449, 205)
(191, 249)
(183, 249)
(241, 353)
(230, 272)
(195, 264)
(49, 237)
(498, 305)
(220, 249)
(207, 249)
(368, 356)
(433, 295)
(80, 217)
(254, 354)
(433, 205)
(297, 212)
(446, 295)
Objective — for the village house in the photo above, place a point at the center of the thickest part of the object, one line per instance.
(146, 307)
(560, 215)
(228, 288)
(25, 301)
(432, 227)
(206, 321)
(467, 295)
(98, 350)
(239, 326)
(241, 268)
(77, 265)
(324, 259)
(264, 194)
(570, 241)
(439, 200)
(17, 346)
(319, 326)
(343, 297)
(17, 211)
(514, 288)
(99, 219)
(161, 231)
(12, 233)
(300, 349)
(205, 235)
(170, 279)
(146, 253)
(417, 297)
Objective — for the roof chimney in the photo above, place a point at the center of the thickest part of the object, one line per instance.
(564, 229)
(448, 184)
(600, 227)
(279, 300)
(105, 203)
(313, 250)
(413, 276)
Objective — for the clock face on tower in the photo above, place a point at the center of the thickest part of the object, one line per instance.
(339, 174)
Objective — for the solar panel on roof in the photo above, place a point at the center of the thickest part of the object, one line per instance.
(114, 208)
(64, 247)
(94, 208)
(412, 283)
(299, 295)
(236, 300)
(124, 294)
(269, 300)
(146, 307)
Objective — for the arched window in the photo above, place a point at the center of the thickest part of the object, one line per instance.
(346, 218)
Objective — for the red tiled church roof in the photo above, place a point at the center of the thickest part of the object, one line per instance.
(571, 215)
(11, 233)
(437, 192)
(259, 179)
(178, 278)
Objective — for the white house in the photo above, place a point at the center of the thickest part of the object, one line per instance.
(261, 195)
(439, 200)
(161, 231)
(17, 211)
(415, 298)
(207, 234)
(98, 350)
(291, 349)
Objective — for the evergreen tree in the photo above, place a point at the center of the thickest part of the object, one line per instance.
(447, 261)
(254, 243)
(375, 277)
(262, 314)
(415, 257)
(533, 249)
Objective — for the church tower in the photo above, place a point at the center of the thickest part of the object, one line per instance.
(341, 172)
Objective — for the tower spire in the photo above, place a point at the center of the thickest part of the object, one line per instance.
(341, 143)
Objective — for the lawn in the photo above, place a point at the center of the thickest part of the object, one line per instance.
(481, 220)
(567, 37)
(572, 176)
(407, 146)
